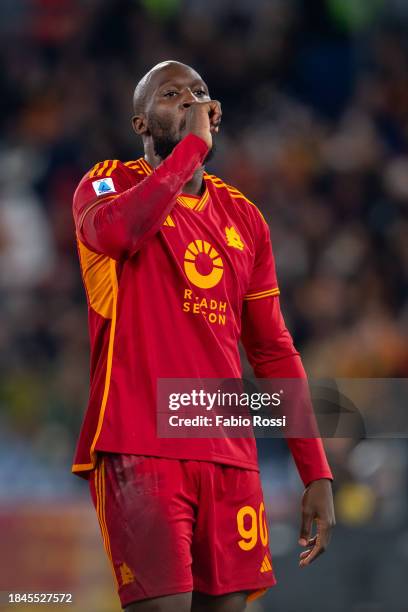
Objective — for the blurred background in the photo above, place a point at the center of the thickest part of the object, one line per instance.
(315, 131)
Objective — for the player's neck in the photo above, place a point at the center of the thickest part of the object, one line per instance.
(195, 185)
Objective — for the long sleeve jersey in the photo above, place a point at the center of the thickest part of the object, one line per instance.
(172, 283)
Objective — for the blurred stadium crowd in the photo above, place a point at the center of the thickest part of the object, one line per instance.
(315, 132)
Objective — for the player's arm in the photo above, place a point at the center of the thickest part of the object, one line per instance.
(270, 350)
(120, 223)
(271, 353)
(119, 226)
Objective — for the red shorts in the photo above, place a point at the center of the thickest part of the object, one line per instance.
(172, 526)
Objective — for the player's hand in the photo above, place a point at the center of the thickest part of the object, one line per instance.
(317, 506)
(202, 119)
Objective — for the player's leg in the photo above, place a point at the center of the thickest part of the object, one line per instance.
(181, 602)
(146, 508)
(232, 602)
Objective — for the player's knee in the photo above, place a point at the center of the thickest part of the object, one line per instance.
(181, 602)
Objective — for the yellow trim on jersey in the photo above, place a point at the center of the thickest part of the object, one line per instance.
(145, 166)
(201, 204)
(113, 167)
(94, 169)
(257, 295)
(103, 168)
(100, 168)
(101, 512)
(80, 467)
(219, 184)
(99, 502)
(95, 270)
(188, 201)
(216, 180)
(195, 203)
(238, 194)
(135, 165)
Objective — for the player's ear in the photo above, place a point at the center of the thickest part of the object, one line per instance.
(139, 123)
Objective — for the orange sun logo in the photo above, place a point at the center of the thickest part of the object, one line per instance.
(199, 257)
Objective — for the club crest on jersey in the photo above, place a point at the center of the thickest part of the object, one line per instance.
(126, 574)
(103, 186)
(233, 238)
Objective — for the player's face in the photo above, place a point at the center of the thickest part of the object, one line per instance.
(173, 89)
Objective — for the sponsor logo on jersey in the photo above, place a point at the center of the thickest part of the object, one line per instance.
(213, 311)
(103, 186)
(202, 264)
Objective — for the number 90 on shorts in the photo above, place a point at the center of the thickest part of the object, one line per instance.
(252, 527)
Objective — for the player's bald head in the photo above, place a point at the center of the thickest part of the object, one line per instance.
(147, 84)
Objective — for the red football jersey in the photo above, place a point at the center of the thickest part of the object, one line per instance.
(171, 310)
(169, 279)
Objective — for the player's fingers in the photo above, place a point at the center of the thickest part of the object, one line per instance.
(321, 541)
(311, 543)
(214, 128)
(215, 123)
(215, 106)
(215, 112)
(315, 552)
(324, 533)
(306, 527)
(305, 553)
